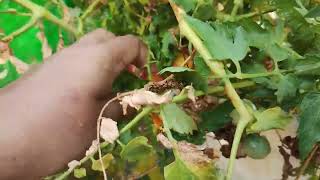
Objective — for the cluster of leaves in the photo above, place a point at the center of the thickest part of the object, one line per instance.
(274, 43)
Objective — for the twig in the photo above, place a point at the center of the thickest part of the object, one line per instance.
(83, 160)
(90, 9)
(24, 28)
(237, 5)
(14, 11)
(307, 162)
(86, 13)
(40, 12)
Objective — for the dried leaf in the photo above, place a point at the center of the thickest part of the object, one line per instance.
(191, 93)
(164, 141)
(143, 97)
(73, 164)
(93, 148)
(109, 130)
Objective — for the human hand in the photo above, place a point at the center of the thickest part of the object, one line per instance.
(57, 104)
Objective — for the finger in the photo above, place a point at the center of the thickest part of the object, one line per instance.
(96, 37)
(125, 50)
(115, 56)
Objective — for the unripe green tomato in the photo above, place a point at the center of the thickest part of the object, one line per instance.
(256, 146)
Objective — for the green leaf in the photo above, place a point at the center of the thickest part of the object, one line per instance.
(287, 87)
(309, 123)
(175, 70)
(190, 163)
(27, 46)
(167, 41)
(15, 21)
(106, 159)
(80, 172)
(177, 170)
(137, 149)
(216, 118)
(187, 5)
(177, 119)
(223, 41)
(198, 81)
(51, 30)
(201, 67)
(270, 40)
(309, 66)
(67, 37)
(205, 10)
(313, 13)
(8, 70)
(273, 118)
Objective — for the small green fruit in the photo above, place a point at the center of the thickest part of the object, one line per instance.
(256, 146)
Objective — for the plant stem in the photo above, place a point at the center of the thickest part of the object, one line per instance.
(83, 160)
(249, 76)
(307, 162)
(86, 13)
(253, 14)
(32, 22)
(218, 69)
(237, 5)
(90, 9)
(41, 12)
(14, 11)
(145, 111)
(213, 90)
(235, 144)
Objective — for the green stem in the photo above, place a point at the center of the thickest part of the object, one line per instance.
(14, 11)
(213, 90)
(82, 161)
(236, 141)
(248, 76)
(148, 65)
(237, 5)
(90, 9)
(39, 11)
(145, 111)
(24, 28)
(227, 17)
(253, 14)
(218, 69)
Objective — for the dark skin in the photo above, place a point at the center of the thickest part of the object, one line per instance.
(53, 119)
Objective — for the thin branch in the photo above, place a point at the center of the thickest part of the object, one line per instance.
(237, 5)
(90, 9)
(307, 162)
(24, 28)
(14, 11)
(82, 161)
(41, 12)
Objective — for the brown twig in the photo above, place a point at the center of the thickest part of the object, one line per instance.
(307, 162)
